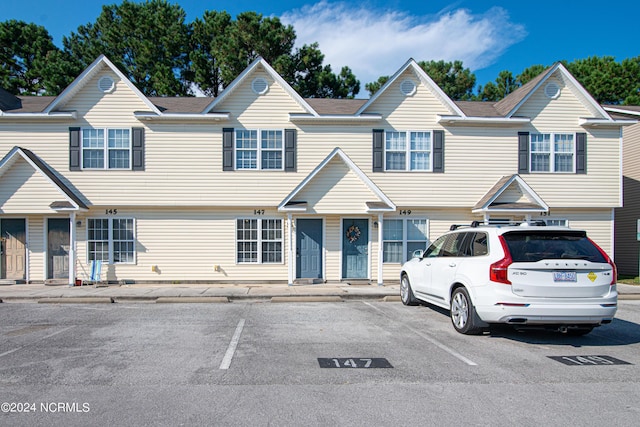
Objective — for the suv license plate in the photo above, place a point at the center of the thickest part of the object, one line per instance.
(565, 276)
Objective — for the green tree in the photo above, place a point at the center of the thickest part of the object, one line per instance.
(27, 58)
(373, 87)
(454, 80)
(604, 78)
(147, 41)
(222, 48)
(530, 73)
(503, 86)
(208, 46)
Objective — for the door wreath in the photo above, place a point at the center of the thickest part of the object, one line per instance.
(353, 233)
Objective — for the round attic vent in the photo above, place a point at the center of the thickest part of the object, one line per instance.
(106, 84)
(552, 90)
(408, 87)
(259, 86)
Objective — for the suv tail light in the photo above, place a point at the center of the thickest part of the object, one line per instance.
(498, 270)
(614, 269)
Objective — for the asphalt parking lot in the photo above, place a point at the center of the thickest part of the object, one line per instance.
(347, 363)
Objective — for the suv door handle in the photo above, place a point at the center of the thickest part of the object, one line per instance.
(452, 264)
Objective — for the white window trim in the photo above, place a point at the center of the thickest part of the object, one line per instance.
(408, 151)
(110, 240)
(552, 153)
(405, 241)
(259, 240)
(105, 148)
(548, 218)
(259, 149)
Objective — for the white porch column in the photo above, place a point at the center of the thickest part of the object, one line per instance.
(72, 249)
(380, 250)
(290, 248)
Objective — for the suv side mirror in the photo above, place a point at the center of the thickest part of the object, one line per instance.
(418, 253)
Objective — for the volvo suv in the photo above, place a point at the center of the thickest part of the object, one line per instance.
(525, 275)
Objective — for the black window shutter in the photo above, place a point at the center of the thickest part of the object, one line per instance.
(138, 149)
(438, 151)
(581, 152)
(74, 149)
(290, 142)
(523, 152)
(227, 149)
(378, 150)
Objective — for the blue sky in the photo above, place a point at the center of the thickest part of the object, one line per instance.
(376, 37)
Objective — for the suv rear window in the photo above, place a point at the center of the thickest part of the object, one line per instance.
(532, 246)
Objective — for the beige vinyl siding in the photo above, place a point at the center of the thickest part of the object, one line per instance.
(333, 248)
(25, 190)
(347, 194)
(36, 257)
(627, 253)
(561, 115)
(185, 245)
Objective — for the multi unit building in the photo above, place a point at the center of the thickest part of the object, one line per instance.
(262, 185)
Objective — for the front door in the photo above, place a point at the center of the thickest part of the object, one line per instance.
(355, 249)
(58, 236)
(309, 249)
(13, 257)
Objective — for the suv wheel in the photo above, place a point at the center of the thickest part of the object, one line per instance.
(406, 294)
(463, 314)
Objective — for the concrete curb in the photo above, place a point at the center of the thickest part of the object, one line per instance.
(326, 298)
(161, 300)
(76, 300)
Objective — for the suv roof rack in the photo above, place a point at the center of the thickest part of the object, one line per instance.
(475, 224)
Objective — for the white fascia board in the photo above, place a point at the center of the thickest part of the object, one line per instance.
(35, 167)
(506, 211)
(524, 186)
(244, 75)
(52, 116)
(425, 79)
(179, 116)
(591, 122)
(88, 73)
(482, 120)
(297, 117)
(365, 179)
(622, 110)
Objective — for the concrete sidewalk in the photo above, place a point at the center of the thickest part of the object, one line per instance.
(192, 293)
(212, 293)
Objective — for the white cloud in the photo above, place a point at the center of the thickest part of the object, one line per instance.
(374, 42)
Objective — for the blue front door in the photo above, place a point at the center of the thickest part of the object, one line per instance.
(355, 249)
(309, 249)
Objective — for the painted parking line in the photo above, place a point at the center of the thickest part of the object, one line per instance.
(428, 338)
(38, 340)
(226, 361)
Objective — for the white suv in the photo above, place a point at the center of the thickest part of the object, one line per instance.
(526, 275)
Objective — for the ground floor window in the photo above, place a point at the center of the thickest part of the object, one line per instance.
(556, 221)
(259, 241)
(401, 237)
(111, 240)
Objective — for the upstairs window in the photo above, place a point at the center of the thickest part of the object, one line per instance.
(408, 151)
(259, 149)
(552, 152)
(106, 148)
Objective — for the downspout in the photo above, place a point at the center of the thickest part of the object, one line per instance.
(72, 249)
(290, 248)
(380, 250)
